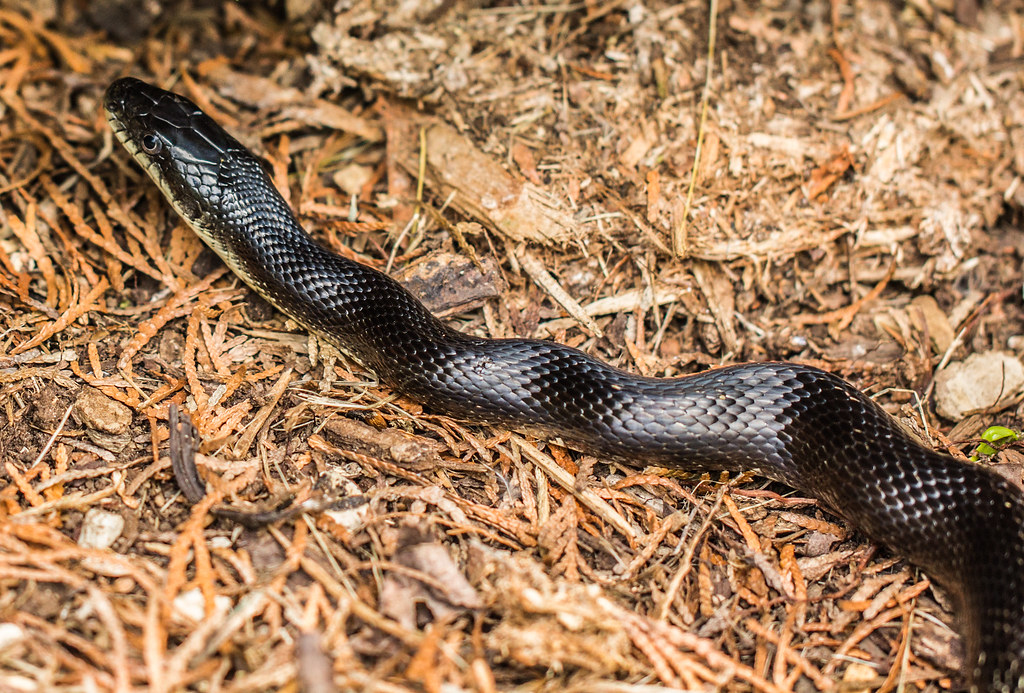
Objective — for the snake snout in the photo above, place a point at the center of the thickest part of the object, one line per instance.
(129, 97)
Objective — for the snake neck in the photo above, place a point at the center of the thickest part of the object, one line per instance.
(357, 308)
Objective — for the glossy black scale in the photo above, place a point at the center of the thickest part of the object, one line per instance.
(807, 428)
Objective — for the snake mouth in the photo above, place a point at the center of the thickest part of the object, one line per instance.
(158, 128)
(114, 109)
(126, 108)
(120, 131)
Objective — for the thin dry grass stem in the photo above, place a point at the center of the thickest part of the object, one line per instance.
(182, 666)
(53, 437)
(687, 561)
(898, 675)
(876, 105)
(586, 496)
(680, 233)
(539, 273)
(749, 535)
(904, 599)
(792, 656)
(358, 608)
(252, 429)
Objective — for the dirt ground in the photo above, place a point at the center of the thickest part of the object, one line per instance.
(838, 184)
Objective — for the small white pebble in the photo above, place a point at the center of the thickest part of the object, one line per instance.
(190, 605)
(100, 529)
(219, 542)
(353, 519)
(10, 634)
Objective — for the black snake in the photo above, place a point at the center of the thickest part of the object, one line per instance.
(962, 523)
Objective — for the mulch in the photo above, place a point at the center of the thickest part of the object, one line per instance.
(837, 184)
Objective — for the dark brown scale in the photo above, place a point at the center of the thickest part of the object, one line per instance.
(807, 428)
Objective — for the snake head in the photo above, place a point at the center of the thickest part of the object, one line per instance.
(182, 149)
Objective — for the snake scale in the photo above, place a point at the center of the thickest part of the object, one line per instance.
(962, 523)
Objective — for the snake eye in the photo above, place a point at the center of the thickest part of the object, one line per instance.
(150, 143)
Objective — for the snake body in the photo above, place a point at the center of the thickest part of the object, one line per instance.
(802, 426)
